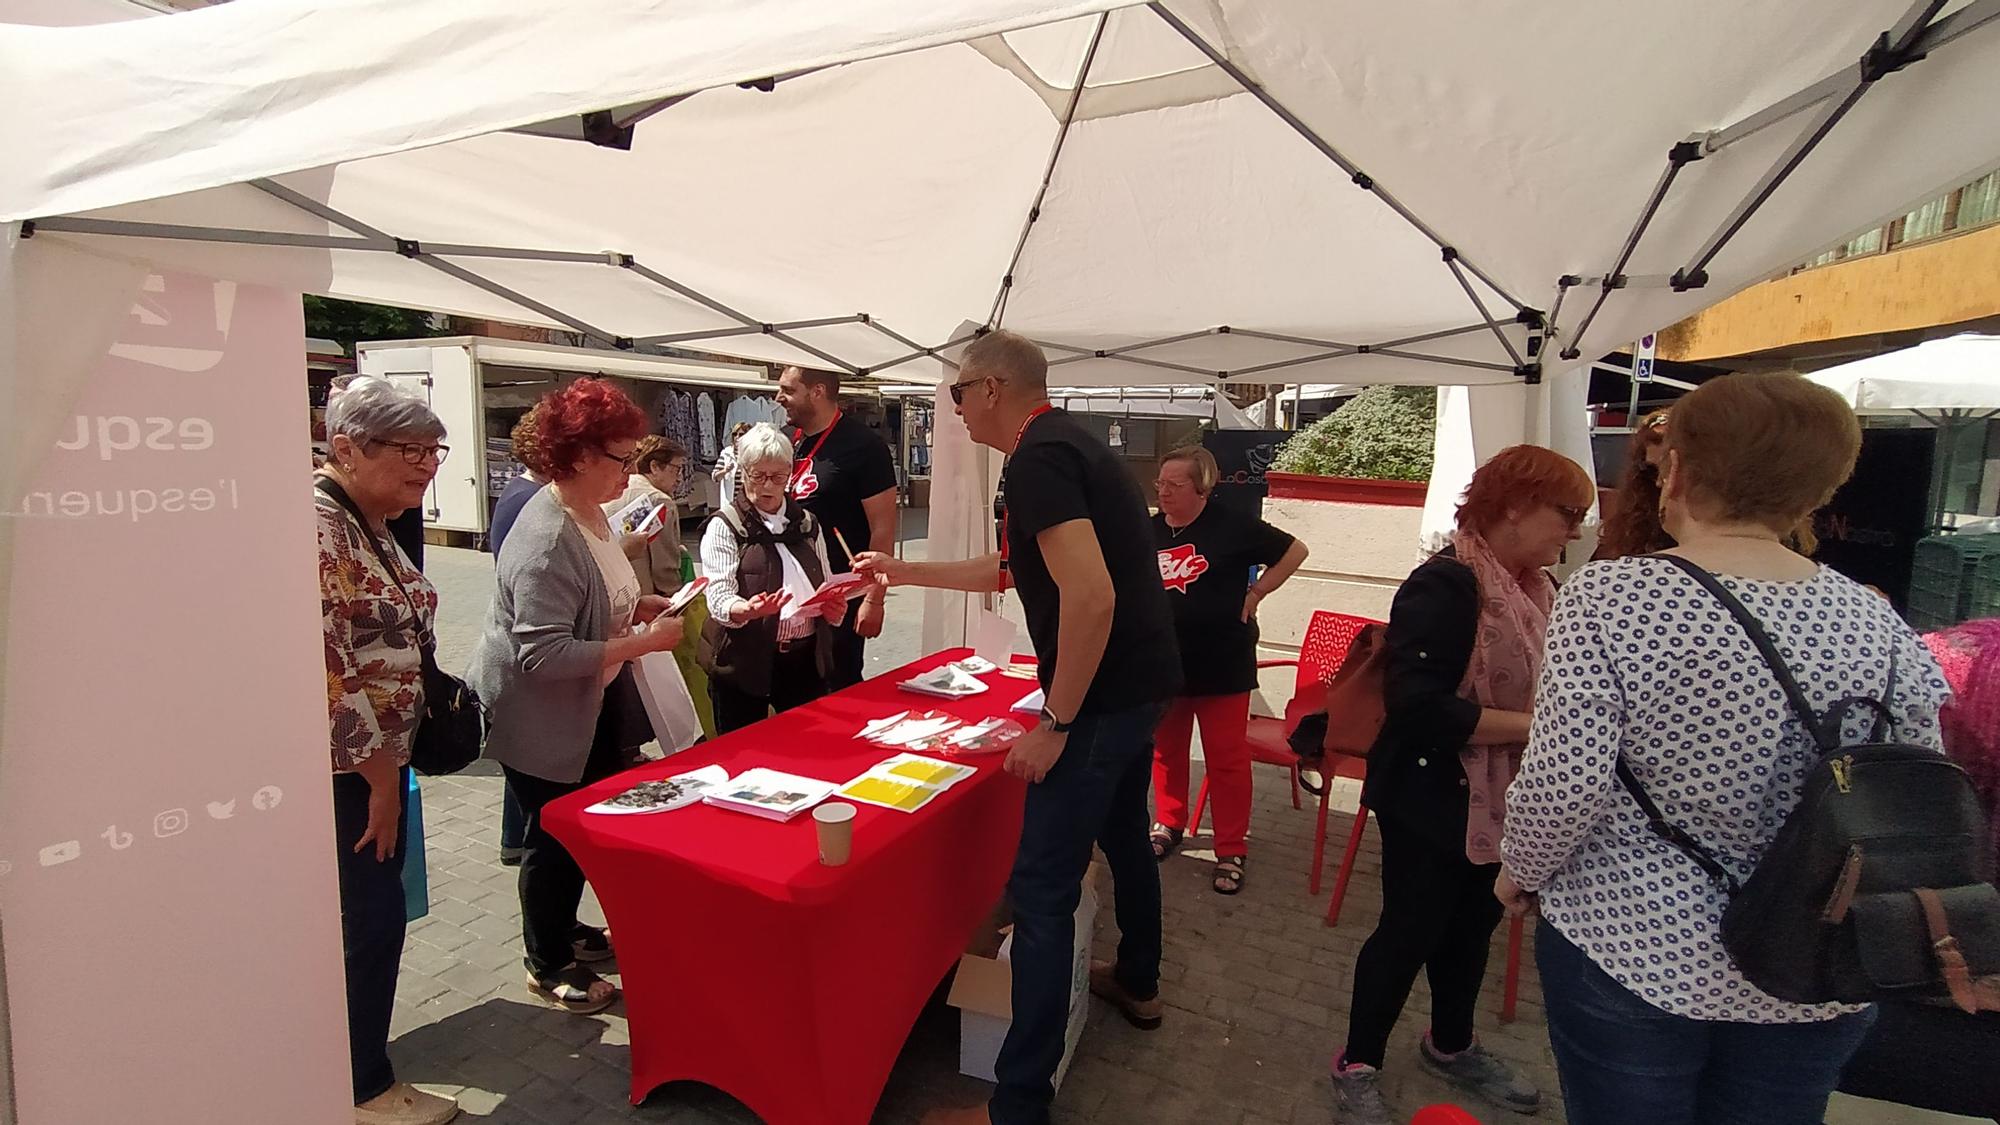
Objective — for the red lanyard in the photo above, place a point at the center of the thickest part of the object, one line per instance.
(1037, 412)
(799, 467)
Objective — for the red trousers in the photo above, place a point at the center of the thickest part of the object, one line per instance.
(1224, 720)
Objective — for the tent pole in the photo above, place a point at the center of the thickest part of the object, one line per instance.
(1893, 50)
(1458, 274)
(1678, 157)
(1048, 172)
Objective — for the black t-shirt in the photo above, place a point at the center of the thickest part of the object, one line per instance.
(1060, 473)
(831, 479)
(1206, 571)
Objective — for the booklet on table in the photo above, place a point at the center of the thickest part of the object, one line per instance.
(949, 682)
(664, 795)
(769, 793)
(906, 782)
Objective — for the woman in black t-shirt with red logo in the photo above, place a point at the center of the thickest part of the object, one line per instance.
(1208, 558)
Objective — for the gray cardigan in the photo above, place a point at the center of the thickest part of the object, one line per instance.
(539, 664)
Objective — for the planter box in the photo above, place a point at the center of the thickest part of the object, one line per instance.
(1347, 490)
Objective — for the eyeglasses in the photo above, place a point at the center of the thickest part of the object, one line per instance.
(415, 453)
(1572, 516)
(624, 460)
(1165, 485)
(958, 389)
(766, 478)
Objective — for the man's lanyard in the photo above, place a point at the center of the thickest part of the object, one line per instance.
(1037, 412)
(799, 467)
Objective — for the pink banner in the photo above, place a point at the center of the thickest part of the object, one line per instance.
(166, 863)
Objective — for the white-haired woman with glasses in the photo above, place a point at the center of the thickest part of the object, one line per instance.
(763, 555)
(384, 448)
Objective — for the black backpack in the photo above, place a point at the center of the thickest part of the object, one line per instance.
(1879, 885)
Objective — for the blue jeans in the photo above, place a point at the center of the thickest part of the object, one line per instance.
(1625, 1062)
(372, 927)
(1096, 793)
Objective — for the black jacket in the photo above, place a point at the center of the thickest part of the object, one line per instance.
(1414, 776)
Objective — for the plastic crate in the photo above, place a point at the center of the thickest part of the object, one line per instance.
(1942, 578)
(1983, 588)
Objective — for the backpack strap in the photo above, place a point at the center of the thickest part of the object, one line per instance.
(1674, 834)
(1814, 724)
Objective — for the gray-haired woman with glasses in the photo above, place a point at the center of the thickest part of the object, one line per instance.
(385, 446)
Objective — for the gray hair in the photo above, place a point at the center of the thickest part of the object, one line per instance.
(763, 443)
(367, 408)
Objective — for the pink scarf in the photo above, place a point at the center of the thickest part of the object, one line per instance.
(1506, 664)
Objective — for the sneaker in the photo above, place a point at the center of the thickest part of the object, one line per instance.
(404, 1104)
(1357, 1096)
(1475, 1071)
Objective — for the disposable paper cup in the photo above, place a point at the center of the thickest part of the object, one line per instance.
(835, 821)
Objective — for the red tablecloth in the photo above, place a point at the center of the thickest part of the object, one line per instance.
(750, 966)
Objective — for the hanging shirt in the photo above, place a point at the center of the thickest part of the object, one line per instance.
(1060, 472)
(836, 469)
(1206, 569)
(704, 421)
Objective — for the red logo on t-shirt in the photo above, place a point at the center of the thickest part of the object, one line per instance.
(1180, 566)
(804, 482)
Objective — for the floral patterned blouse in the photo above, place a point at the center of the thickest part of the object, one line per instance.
(374, 675)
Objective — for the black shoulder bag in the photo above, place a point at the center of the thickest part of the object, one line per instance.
(452, 728)
(1879, 884)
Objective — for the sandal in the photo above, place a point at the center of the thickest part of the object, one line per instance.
(575, 989)
(1229, 874)
(1165, 840)
(591, 945)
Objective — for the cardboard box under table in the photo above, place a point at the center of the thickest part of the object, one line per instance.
(983, 995)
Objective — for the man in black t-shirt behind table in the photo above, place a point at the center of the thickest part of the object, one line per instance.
(845, 476)
(1077, 543)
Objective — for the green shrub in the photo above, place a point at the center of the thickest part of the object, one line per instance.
(1383, 433)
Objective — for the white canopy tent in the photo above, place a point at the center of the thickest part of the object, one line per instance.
(1184, 190)
(1956, 374)
(1949, 383)
(1481, 197)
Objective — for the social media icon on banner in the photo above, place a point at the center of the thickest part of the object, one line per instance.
(61, 853)
(119, 841)
(267, 798)
(173, 822)
(222, 810)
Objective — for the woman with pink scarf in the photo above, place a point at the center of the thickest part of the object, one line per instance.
(1464, 655)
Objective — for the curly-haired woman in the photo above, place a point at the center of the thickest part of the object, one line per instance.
(567, 617)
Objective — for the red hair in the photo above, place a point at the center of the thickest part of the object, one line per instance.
(581, 418)
(1520, 477)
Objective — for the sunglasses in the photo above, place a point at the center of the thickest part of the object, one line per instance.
(958, 389)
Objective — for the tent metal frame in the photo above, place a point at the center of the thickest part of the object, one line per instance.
(1914, 36)
(614, 128)
(1917, 33)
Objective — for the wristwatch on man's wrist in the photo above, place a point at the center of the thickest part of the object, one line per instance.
(1050, 721)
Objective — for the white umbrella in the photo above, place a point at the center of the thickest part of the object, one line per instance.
(1950, 383)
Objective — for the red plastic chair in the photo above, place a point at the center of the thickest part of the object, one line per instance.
(1328, 637)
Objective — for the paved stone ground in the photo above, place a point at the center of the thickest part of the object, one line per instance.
(1257, 986)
